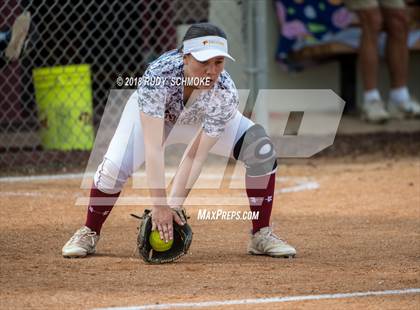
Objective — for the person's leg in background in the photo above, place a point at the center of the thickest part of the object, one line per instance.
(400, 103)
(125, 155)
(371, 22)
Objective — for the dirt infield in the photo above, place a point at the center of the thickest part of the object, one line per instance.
(359, 231)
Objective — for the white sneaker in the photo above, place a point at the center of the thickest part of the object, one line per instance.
(81, 244)
(374, 112)
(265, 242)
(400, 110)
(20, 31)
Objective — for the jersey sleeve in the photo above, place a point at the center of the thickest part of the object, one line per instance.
(152, 94)
(221, 108)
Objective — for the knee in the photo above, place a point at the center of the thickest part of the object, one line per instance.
(256, 150)
(397, 23)
(371, 22)
(109, 178)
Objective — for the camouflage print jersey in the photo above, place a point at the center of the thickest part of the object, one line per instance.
(160, 94)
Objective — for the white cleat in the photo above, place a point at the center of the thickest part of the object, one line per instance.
(265, 242)
(81, 244)
(374, 112)
(20, 31)
(400, 110)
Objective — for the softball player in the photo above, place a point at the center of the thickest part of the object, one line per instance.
(207, 119)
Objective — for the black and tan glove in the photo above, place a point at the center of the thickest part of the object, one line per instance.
(182, 239)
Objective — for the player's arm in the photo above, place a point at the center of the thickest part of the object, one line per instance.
(162, 215)
(154, 157)
(188, 171)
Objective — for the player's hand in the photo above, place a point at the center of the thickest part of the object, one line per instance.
(162, 220)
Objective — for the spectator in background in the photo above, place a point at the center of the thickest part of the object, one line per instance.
(390, 15)
(13, 40)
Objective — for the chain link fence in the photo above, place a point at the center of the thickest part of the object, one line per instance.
(52, 98)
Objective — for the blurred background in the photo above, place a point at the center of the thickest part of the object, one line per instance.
(53, 96)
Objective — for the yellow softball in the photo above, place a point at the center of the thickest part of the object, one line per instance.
(158, 244)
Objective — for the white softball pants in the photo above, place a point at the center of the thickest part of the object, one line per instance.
(126, 151)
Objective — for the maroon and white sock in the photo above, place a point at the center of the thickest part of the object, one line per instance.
(260, 191)
(100, 205)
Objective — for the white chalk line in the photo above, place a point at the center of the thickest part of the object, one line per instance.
(302, 184)
(47, 177)
(36, 194)
(72, 176)
(266, 300)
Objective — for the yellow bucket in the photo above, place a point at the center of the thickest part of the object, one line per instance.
(64, 98)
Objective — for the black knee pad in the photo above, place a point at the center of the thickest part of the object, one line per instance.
(256, 151)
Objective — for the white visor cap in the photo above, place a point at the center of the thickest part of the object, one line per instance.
(204, 48)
